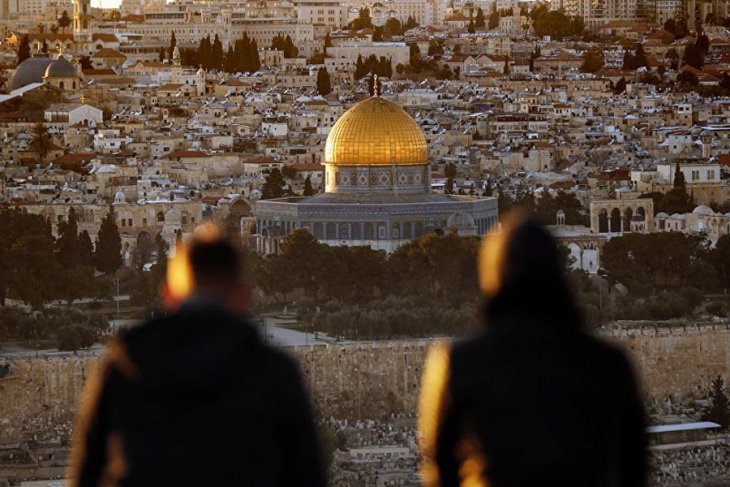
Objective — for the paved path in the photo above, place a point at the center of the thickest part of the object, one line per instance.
(273, 332)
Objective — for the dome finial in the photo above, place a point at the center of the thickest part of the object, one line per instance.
(376, 86)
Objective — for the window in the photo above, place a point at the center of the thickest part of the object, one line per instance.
(711, 174)
(695, 175)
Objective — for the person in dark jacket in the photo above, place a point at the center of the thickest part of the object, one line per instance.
(533, 399)
(196, 398)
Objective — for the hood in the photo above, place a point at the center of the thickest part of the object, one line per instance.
(522, 273)
(198, 348)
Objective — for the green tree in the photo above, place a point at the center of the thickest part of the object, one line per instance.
(303, 260)
(67, 245)
(41, 143)
(719, 408)
(308, 189)
(702, 44)
(173, 44)
(18, 261)
(411, 23)
(687, 79)
(415, 55)
(217, 56)
(479, 19)
(74, 337)
(108, 248)
(274, 185)
(470, 28)
(23, 48)
(64, 21)
(85, 249)
(493, 20)
(450, 173)
(620, 86)
(393, 27)
(720, 256)
(85, 62)
(555, 23)
(435, 48)
(593, 60)
(694, 56)
(363, 20)
(32, 272)
(324, 86)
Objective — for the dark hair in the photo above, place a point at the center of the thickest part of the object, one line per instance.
(215, 262)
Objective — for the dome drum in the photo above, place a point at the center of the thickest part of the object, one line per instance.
(377, 179)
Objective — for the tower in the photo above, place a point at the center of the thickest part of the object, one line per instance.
(200, 81)
(82, 16)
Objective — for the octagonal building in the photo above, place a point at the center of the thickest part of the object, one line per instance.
(377, 181)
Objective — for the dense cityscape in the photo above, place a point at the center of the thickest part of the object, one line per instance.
(357, 152)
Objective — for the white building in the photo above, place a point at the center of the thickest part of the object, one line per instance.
(321, 12)
(693, 173)
(72, 114)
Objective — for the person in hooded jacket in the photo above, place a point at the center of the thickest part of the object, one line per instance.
(533, 399)
(196, 397)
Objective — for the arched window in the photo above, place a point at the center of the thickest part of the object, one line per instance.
(160, 217)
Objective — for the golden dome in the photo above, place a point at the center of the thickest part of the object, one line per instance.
(375, 132)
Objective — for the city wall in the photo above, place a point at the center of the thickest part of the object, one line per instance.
(39, 396)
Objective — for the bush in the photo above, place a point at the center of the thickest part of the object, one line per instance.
(53, 323)
(73, 337)
(717, 309)
(393, 317)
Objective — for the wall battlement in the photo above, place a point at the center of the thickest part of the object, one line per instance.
(39, 396)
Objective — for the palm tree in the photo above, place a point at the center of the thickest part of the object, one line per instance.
(41, 142)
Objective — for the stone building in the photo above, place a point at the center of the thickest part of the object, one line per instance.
(377, 188)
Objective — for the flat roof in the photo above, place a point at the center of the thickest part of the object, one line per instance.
(666, 428)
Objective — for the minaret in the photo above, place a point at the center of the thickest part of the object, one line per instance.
(82, 17)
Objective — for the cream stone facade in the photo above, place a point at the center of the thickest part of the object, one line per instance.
(619, 216)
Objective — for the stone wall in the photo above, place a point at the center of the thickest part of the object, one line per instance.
(370, 379)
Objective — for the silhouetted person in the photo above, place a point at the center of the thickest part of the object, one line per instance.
(196, 398)
(533, 399)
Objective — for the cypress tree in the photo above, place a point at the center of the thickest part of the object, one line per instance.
(85, 249)
(24, 49)
(217, 53)
(254, 53)
(679, 181)
(479, 20)
(173, 44)
(324, 86)
(67, 244)
(308, 189)
(108, 254)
